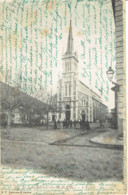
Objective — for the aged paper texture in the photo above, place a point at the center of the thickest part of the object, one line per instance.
(63, 97)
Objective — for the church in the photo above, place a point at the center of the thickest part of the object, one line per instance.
(76, 101)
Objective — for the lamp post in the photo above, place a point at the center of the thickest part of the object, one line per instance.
(110, 73)
(48, 107)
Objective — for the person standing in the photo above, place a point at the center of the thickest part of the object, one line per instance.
(55, 124)
(63, 123)
(58, 124)
(70, 123)
(74, 124)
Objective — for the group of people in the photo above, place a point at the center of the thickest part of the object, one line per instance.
(71, 124)
(67, 123)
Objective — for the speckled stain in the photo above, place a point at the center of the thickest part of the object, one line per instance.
(109, 140)
(14, 39)
(79, 34)
(59, 136)
(67, 29)
(45, 32)
(51, 5)
(32, 17)
(90, 187)
(2, 76)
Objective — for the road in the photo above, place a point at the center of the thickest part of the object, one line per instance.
(31, 148)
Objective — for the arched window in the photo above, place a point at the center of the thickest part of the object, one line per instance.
(83, 112)
(67, 107)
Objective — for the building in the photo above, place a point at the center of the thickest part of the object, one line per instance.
(18, 108)
(113, 118)
(119, 12)
(76, 101)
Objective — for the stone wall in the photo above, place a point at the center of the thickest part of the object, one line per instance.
(119, 26)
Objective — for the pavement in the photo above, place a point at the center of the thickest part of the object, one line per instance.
(108, 138)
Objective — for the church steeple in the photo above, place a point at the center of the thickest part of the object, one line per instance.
(70, 40)
(70, 58)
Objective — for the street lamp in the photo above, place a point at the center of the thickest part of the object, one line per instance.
(110, 73)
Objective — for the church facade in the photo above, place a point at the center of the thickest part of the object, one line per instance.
(76, 101)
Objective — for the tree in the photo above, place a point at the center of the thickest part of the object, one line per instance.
(9, 100)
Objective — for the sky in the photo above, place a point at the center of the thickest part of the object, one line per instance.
(34, 37)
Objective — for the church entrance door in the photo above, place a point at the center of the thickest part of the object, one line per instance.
(67, 113)
(83, 115)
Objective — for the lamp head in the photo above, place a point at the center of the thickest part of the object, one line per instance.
(110, 73)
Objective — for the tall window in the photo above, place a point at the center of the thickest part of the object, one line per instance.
(74, 84)
(65, 90)
(68, 66)
(69, 89)
(83, 103)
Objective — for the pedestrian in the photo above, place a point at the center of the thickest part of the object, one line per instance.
(55, 124)
(63, 123)
(70, 123)
(58, 123)
(80, 124)
(75, 124)
(87, 125)
(67, 124)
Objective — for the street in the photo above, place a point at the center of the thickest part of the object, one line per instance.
(78, 159)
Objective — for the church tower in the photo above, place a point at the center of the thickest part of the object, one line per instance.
(70, 80)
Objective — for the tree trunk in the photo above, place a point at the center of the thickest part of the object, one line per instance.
(47, 119)
(9, 122)
(30, 119)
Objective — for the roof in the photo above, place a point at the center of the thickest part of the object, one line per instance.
(18, 98)
(90, 89)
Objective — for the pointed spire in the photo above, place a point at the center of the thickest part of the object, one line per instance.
(70, 39)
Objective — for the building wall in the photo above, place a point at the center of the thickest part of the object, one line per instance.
(119, 26)
(77, 103)
(87, 103)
